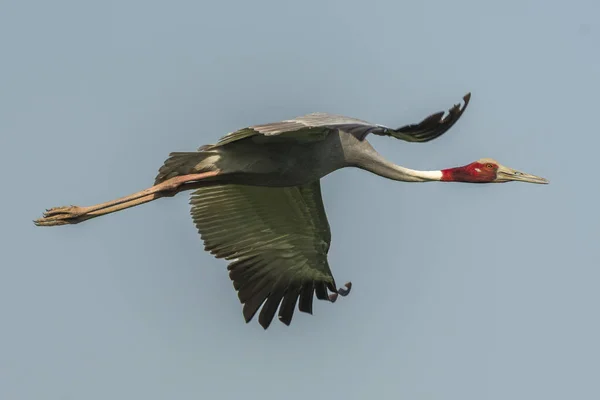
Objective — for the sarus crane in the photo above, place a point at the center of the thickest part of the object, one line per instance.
(257, 200)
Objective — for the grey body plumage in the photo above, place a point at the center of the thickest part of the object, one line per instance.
(301, 150)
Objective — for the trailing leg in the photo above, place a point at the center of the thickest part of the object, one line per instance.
(74, 214)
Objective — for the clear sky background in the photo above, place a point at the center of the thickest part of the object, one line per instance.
(460, 291)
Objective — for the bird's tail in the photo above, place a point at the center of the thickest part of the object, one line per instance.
(183, 163)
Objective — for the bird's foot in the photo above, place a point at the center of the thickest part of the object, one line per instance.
(61, 216)
(341, 292)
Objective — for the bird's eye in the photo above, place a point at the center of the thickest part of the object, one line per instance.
(490, 166)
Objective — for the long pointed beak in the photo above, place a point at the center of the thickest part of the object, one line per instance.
(506, 174)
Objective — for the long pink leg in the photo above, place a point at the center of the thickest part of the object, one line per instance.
(74, 214)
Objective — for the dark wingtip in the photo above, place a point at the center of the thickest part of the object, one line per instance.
(345, 292)
(341, 292)
(305, 301)
(286, 310)
(434, 125)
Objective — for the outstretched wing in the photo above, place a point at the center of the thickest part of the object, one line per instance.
(316, 126)
(310, 127)
(431, 127)
(277, 240)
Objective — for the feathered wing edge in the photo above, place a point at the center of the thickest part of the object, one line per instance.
(277, 241)
(431, 127)
(316, 126)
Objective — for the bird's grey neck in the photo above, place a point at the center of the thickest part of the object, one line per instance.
(366, 157)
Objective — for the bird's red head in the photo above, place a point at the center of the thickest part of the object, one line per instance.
(481, 171)
(487, 170)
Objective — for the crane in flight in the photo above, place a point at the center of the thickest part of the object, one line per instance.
(257, 200)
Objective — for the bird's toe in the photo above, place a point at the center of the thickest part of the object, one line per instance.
(70, 211)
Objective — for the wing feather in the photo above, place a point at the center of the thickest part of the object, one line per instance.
(431, 127)
(277, 240)
(309, 127)
(316, 126)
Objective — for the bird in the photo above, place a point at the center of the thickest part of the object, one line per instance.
(257, 202)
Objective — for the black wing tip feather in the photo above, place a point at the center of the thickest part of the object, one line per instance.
(272, 297)
(286, 310)
(341, 292)
(433, 126)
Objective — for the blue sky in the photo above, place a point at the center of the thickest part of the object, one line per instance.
(460, 291)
